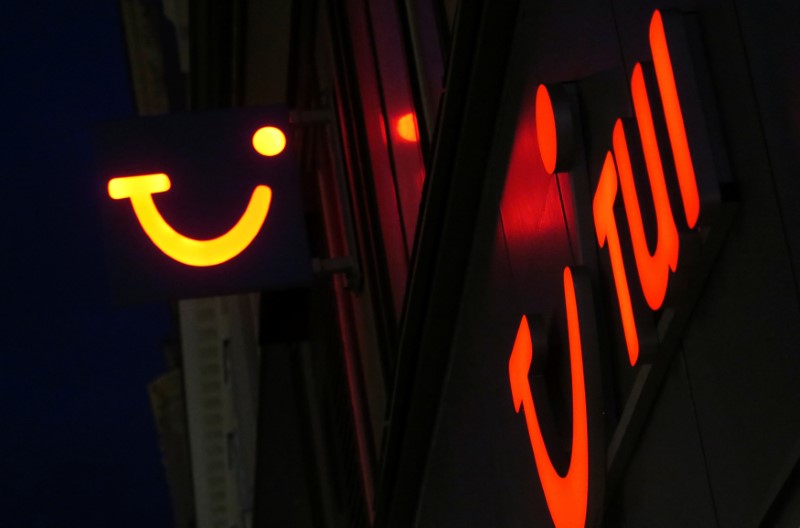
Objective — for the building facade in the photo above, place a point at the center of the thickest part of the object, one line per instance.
(556, 250)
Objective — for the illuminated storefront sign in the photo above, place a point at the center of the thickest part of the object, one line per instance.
(267, 141)
(189, 251)
(687, 182)
(199, 239)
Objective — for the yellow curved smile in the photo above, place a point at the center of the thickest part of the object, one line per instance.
(189, 251)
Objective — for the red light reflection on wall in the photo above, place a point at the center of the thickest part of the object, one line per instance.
(526, 187)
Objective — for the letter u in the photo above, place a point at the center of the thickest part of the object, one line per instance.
(653, 268)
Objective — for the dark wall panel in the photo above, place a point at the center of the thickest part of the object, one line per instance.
(741, 354)
(480, 470)
(772, 48)
(722, 435)
(666, 483)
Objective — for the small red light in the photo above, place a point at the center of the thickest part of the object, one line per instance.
(407, 128)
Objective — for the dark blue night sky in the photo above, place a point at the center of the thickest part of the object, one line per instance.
(78, 445)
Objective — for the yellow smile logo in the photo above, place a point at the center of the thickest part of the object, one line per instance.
(267, 141)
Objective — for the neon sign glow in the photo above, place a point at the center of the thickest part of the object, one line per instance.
(634, 148)
(267, 141)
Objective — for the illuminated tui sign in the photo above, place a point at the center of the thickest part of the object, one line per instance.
(663, 154)
(202, 204)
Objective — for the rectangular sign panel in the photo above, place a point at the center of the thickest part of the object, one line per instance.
(202, 204)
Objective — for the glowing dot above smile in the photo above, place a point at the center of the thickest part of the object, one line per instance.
(269, 141)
